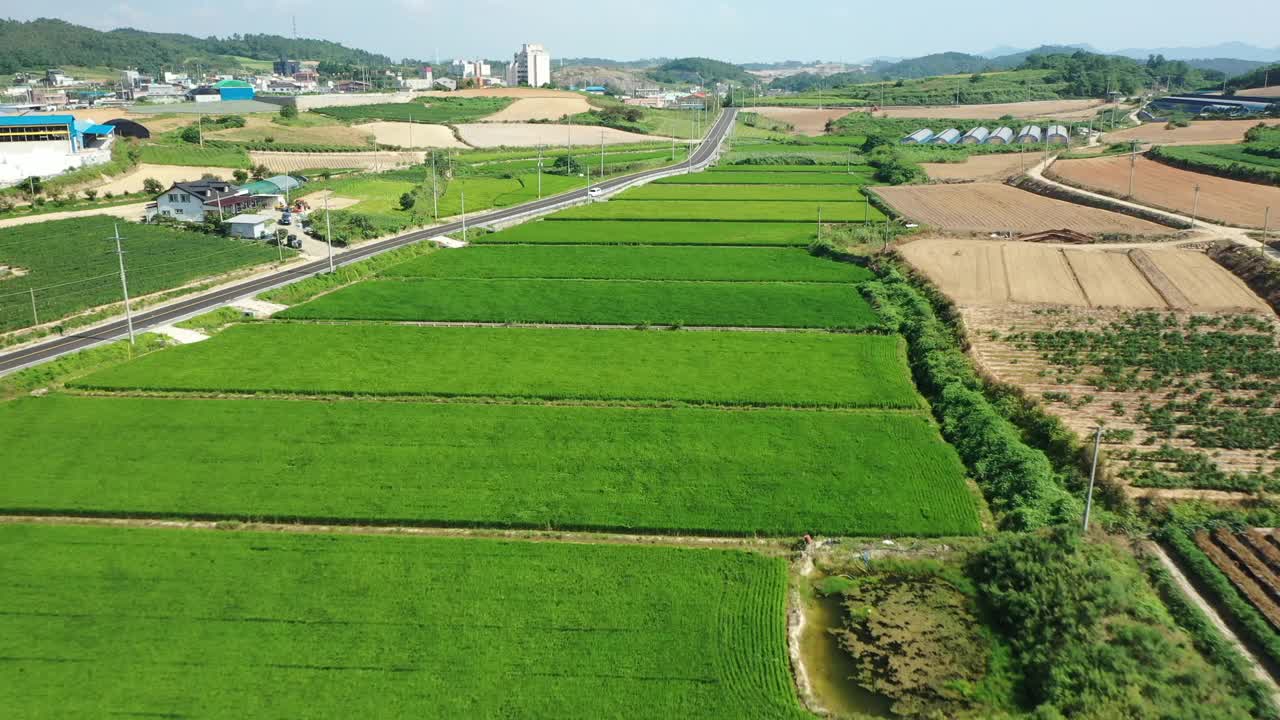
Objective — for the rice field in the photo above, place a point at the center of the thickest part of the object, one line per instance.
(768, 177)
(610, 262)
(620, 232)
(773, 472)
(602, 302)
(757, 193)
(723, 210)
(158, 623)
(721, 368)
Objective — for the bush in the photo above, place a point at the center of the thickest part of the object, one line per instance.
(240, 175)
(152, 186)
(288, 112)
(407, 201)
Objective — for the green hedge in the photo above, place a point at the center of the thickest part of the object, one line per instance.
(1018, 481)
(1190, 158)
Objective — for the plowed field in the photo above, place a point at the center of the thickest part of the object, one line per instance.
(539, 108)
(1251, 561)
(412, 135)
(1228, 201)
(806, 121)
(285, 162)
(1035, 108)
(1200, 132)
(993, 207)
(979, 167)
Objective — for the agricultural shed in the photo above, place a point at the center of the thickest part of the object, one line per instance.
(276, 185)
(248, 226)
(1029, 134)
(234, 89)
(976, 136)
(1058, 135)
(919, 137)
(129, 128)
(946, 137)
(1002, 136)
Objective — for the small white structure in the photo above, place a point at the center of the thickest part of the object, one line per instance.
(976, 136)
(946, 137)
(1057, 135)
(248, 226)
(919, 137)
(446, 84)
(531, 66)
(1029, 134)
(1002, 136)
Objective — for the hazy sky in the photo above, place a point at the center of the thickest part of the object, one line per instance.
(737, 30)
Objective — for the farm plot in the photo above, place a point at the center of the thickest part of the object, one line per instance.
(456, 628)
(980, 272)
(440, 111)
(412, 135)
(493, 135)
(755, 193)
(804, 121)
(616, 232)
(71, 265)
(307, 128)
(834, 167)
(291, 162)
(1233, 202)
(730, 368)
(540, 108)
(166, 175)
(731, 210)
(1032, 109)
(1197, 132)
(596, 302)
(774, 472)
(769, 177)
(1251, 561)
(630, 263)
(1186, 398)
(994, 207)
(975, 168)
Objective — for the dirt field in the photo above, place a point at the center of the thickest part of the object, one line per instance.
(979, 167)
(259, 127)
(412, 135)
(985, 272)
(492, 135)
(293, 162)
(1222, 200)
(1199, 132)
(1269, 92)
(994, 207)
(515, 92)
(806, 121)
(540, 108)
(150, 122)
(1033, 109)
(166, 174)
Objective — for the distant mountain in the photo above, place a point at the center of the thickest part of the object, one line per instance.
(1227, 66)
(948, 63)
(1005, 51)
(1014, 59)
(46, 43)
(1233, 50)
(608, 63)
(691, 69)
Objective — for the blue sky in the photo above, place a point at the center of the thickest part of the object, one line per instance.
(737, 30)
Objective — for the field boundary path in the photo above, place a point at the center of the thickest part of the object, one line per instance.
(1185, 586)
(705, 154)
(1239, 236)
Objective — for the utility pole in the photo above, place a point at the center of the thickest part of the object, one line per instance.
(35, 317)
(1133, 164)
(124, 287)
(1195, 204)
(328, 229)
(1266, 226)
(1093, 473)
(539, 172)
(588, 167)
(200, 125)
(819, 223)
(411, 130)
(463, 195)
(601, 152)
(435, 188)
(691, 146)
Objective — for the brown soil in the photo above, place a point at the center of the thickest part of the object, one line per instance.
(804, 121)
(1033, 109)
(412, 135)
(1249, 573)
(979, 167)
(540, 108)
(995, 207)
(1201, 132)
(292, 162)
(1226, 201)
(260, 127)
(492, 135)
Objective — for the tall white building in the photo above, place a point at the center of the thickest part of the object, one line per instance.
(531, 66)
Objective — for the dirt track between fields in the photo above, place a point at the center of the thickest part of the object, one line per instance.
(1232, 202)
(988, 207)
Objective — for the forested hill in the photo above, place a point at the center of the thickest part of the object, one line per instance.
(690, 69)
(44, 43)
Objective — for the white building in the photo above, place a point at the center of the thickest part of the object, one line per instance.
(467, 69)
(248, 226)
(531, 66)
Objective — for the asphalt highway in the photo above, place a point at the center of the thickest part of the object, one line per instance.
(45, 351)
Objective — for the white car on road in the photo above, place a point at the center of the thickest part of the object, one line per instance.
(595, 192)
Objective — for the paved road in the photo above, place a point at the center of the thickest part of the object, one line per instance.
(49, 350)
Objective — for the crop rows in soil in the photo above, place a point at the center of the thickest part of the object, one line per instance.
(1251, 560)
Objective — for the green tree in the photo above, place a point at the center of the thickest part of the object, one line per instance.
(240, 175)
(260, 171)
(566, 165)
(407, 201)
(152, 186)
(288, 112)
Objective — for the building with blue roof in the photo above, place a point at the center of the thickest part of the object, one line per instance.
(46, 145)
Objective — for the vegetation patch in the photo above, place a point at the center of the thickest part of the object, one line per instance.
(517, 627)
(730, 368)
(757, 193)
(434, 110)
(723, 210)
(611, 232)
(771, 177)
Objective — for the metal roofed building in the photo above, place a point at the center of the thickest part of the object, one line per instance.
(276, 185)
(248, 226)
(234, 89)
(975, 136)
(919, 137)
(49, 145)
(1057, 135)
(1001, 136)
(1029, 134)
(947, 137)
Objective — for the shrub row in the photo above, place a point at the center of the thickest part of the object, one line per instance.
(1241, 613)
(1199, 162)
(1019, 481)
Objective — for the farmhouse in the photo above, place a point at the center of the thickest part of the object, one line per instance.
(44, 145)
(190, 201)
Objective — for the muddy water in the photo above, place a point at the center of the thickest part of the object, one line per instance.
(830, 667)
